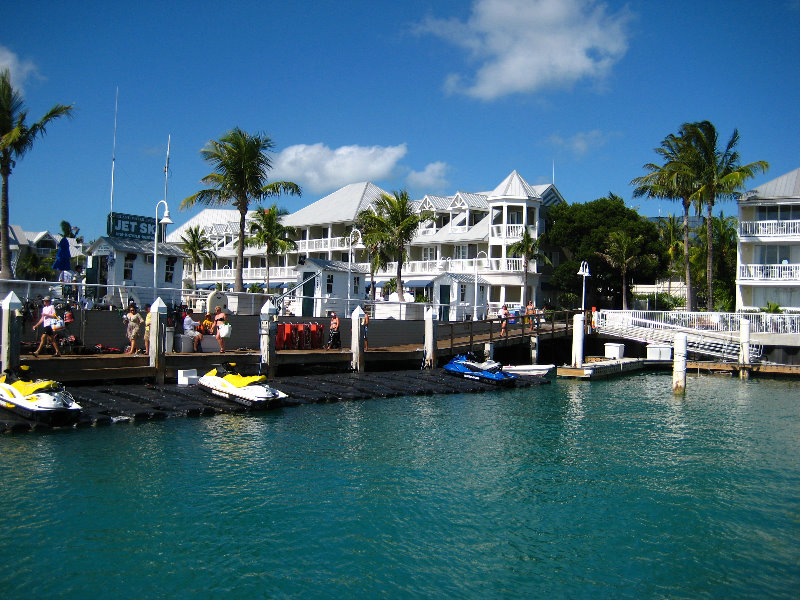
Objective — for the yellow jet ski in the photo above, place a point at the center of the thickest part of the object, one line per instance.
(43, 400)
(249, 390)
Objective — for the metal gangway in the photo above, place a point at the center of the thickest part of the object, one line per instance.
(722, 344)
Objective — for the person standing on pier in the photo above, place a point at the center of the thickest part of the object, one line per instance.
(134, 322)
(334, 339)
(48, 319)
(504, 315)
(219, 319)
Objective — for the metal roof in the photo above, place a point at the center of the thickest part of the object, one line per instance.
(514, 187)
(138, 247)
(334, 265)
(342, 206)
(785, 186)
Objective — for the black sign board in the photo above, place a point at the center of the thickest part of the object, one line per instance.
(131, 226)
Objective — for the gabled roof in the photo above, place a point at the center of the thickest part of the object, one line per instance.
(514, 187)
(430, 202)
(785, 186)
(207, 218)
(137, 247)
(477, 233)
(342, 206)
(468, 200)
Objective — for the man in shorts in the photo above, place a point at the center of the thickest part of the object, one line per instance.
(192, 329)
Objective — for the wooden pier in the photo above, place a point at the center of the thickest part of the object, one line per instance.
(603, 368)
(107, 404)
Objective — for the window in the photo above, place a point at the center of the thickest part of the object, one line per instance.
(773, 255)
(460, 252)
(462, 292)
(127, 268)
(345, 257)
(169, 269)
(429, 253)
(356, 285)
(329, 284)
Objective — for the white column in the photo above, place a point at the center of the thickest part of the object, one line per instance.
(577, 339)
(679, 364)
(11, 332)
(158, 323)
(358, 362)
(430, 338)
(268, 331)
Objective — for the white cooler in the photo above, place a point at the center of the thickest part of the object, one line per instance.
(659, 352)
(615, 351)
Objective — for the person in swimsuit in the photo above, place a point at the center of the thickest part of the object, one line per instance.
(219, 319)
(48, 319)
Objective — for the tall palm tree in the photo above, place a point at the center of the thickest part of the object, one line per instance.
(16, 138)
(241, 162)
(392, 224)
(379, 256)
(267, 231)
(672, 180)
(528, 248)
(199, 248)
(623, 253)
(718, 175)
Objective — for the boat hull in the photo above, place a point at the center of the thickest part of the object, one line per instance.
(462, 367)
(255, 397)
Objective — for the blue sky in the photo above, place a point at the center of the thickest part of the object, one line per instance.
(432, 96)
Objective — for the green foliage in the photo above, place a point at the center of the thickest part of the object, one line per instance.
(772, 308)
(390, 286)
(199, 248)
(241, 162)
(584, 230)
(528, 248)
(660, 301)
(568, 300)
(254, 289)
(33, 266)
(16, 139)
(267, 231)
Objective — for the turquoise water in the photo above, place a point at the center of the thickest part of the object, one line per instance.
(609, 489)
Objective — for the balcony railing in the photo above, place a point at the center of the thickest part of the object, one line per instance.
(250, 274)
(334, 243)
(782, 273)
(511, 231)
(769, 228)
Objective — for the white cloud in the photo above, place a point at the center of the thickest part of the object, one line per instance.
(583, 141)
(523, 46)
(431, 179)
(319, 169)
(19, 69)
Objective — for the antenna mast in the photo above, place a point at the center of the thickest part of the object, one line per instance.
(114, 154)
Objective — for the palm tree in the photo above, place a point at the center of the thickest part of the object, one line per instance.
(241, 162)
(16, 138)
(528, 248)
(623, 254)
(718, 175)
(379, 256)
(266, 231)
(392, 224)
(672, 180)
(669, 230)
(199, 248)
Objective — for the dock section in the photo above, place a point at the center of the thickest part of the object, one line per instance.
(601, 368)
(106, 404)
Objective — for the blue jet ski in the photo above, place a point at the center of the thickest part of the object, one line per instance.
(490, 371)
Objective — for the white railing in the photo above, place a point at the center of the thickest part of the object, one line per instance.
(781, 272)
(254, 273)
(769, 228)
(427, 231)
(706, 321)
(334, 243)
(458, 265)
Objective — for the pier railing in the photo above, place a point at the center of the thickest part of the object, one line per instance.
(709, 321)
(713, 334)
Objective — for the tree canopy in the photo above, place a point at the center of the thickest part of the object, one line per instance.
(583, 232)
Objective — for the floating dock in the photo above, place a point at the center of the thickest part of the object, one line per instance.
(601, 368)
(104, 404)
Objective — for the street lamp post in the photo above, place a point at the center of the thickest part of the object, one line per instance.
(584, 272)
(165, 221)
(475, 298)
(350, 248)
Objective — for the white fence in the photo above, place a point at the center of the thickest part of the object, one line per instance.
(706, 321)
(769, 228)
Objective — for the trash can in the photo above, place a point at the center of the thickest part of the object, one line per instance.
(659, 352)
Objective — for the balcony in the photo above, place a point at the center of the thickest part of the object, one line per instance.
(769, 228)
(253, 274)
(783, 273)
(465, 265)
(513, 232)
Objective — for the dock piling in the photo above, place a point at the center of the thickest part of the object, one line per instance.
(268, 331)
(430, 338)
(158, 346)
(679, 364)
(577, 339)
(358, 362)
(12, 331)
(744, 348)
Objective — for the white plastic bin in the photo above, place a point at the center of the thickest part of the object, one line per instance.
(615, 351)
(659, 352)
